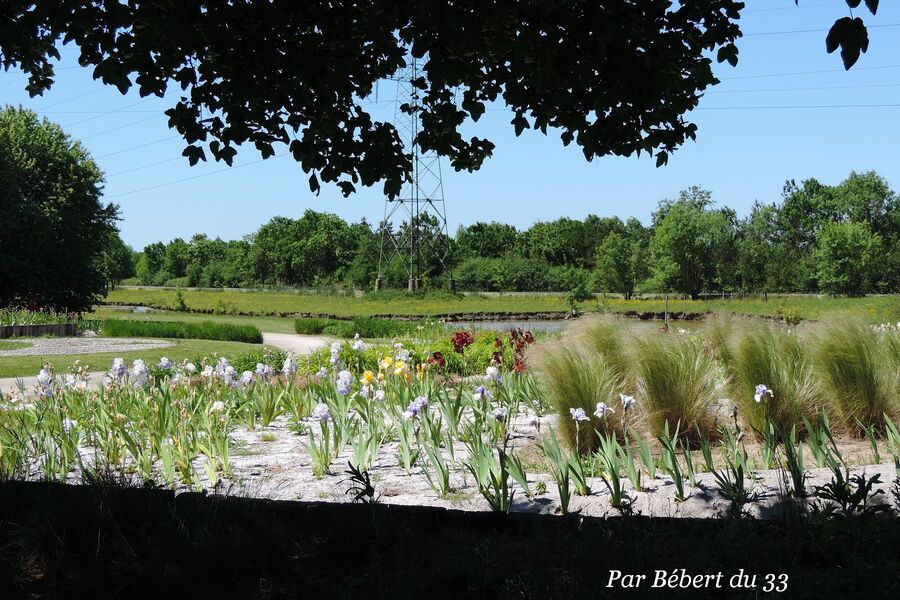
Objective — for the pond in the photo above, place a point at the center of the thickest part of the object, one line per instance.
(554, 326)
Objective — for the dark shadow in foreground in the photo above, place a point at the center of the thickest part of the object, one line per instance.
(77, 541)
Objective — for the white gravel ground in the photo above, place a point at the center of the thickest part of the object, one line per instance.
(85, 345)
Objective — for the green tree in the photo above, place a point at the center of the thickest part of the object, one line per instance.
(617, 266)
(54, 226)
(116, 261)
(847, 256)
(486, 240)
(689, 243)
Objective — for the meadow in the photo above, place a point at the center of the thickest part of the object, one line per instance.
(872, 309)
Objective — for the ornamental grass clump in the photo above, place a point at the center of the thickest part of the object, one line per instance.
(859, 374)
(762, 355)
(678, 381)
(575, 380)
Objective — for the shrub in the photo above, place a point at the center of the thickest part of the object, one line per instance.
(367, 327)
(311, 326)
(248, 360)
(778, 360)
(206, 330)
(576, 379)
(859, 371)
(678, 381)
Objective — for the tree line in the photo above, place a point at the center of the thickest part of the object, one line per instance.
(840, 239)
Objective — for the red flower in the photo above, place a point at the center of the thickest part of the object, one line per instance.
(461, 340)
(437, 358)
(519, 364)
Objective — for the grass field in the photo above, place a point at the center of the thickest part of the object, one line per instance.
(23, 366)
(285, 303)
(12, 345)
(267, 324)
(873, 309)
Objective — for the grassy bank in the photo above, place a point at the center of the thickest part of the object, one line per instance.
(386, 303)
(27, 366)
(267, 324)
(873, 309)
(200, 330)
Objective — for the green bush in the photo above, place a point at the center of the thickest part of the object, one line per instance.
(206, 330)
(248, 360)
(312, 326)
(366, 327)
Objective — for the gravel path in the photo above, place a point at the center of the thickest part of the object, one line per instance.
(76, 345)
(299, 344)
(296, 343)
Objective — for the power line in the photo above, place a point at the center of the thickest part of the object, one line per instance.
(799, 89)
(72, 98)
(788, 107)
(138, 147)
(808, 72)
(91, 112)
(182, 180)
(138, 122)
(147, 166)
(811, 30)
(108, 112)
(753, 10)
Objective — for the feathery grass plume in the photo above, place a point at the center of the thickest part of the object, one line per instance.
(603, 337)
(678, 382)
(764, 355)
(890, 362)
(574, 380)
(859, 377)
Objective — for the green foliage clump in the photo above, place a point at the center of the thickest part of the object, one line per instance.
(860, 372)
(678, 382)
(575, 379)
(206, 330)
(312, 325)
(778, 359)
(55, 227)
(267, 356)
(367, 327)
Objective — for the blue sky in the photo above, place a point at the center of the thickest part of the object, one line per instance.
(748, 144)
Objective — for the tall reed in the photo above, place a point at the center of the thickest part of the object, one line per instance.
(859, 374)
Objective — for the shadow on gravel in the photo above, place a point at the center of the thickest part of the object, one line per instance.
(99, 542)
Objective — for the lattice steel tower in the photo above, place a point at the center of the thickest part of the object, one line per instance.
(421, 199)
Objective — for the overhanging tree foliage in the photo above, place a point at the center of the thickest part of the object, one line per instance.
(54, 227)
(614, 77)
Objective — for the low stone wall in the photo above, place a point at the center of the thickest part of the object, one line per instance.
(58, 330)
